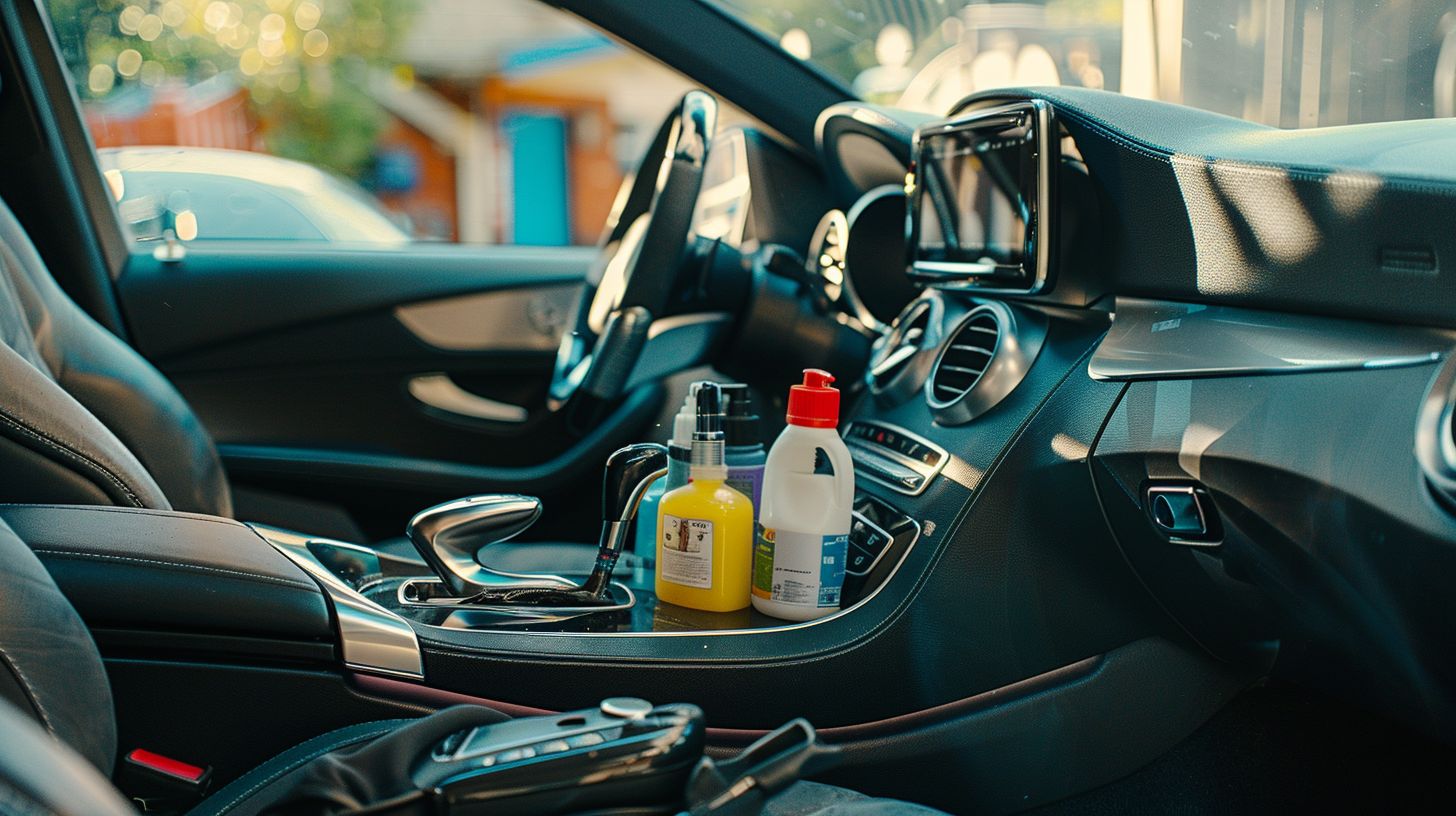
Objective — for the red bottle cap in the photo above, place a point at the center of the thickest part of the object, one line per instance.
(814, 404)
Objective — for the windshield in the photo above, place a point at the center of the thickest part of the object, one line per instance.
(1288, 63)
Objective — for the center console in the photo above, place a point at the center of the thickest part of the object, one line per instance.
(392, 590)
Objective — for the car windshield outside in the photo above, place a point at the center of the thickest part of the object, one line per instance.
(1288, 63)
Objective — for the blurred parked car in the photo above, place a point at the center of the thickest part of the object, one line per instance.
(234, 195)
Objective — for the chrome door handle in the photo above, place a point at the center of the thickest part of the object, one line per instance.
(442, 393)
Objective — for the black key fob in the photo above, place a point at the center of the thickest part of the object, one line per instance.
(626, 752)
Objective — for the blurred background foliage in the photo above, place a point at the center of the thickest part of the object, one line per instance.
(304, 63)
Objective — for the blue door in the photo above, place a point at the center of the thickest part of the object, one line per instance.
(540, 210)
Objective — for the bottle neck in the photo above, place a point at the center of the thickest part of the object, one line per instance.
(811, 429)
(713, 476)
(707, 453)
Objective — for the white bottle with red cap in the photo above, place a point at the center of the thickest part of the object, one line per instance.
(808, 497)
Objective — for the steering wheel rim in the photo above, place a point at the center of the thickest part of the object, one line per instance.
(638, 257)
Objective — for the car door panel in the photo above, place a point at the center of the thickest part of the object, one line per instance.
(378, 381)
(220, 293)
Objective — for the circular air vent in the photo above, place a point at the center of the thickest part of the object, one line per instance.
(826, 253)
(982, 360)
(900, 359)
(1436, 434)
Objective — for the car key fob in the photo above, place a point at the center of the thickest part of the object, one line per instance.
(626, 752)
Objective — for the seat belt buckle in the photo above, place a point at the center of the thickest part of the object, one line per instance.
(161, 784)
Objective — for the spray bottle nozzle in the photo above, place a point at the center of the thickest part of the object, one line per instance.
(814, 403)
(710, 414)
(817, 378)
(708, 435)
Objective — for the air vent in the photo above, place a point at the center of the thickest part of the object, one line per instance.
(900, 358)
(984, 358)
(1436, 434)
(1450, 433)
(966, 357)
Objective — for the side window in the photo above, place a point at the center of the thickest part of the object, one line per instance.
(375, 122)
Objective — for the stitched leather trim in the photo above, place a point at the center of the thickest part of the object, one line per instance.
(175, 565)
(29, 690)
(66, 451)
(136, 511)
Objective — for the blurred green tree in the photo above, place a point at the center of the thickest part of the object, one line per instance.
(304, 63)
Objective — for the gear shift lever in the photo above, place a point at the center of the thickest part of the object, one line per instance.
(449, 535)
(630, 471)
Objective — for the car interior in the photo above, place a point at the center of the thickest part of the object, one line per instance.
(1148, 411)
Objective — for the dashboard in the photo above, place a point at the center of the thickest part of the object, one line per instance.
(1218, 350)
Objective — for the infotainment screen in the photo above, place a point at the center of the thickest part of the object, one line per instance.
(979, 185)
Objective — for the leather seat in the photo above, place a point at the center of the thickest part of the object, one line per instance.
(84, 419)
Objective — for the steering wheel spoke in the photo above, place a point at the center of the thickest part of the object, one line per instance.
(643, 248)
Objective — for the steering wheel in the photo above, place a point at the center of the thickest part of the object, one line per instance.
(638, 258)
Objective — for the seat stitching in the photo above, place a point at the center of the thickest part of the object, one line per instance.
(66, 450)
(137, 511)
(249, 576)
(29, 691)
(290, 767)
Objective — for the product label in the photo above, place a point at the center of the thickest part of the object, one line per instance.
(799, 568)
(687, 552)
(749, 482)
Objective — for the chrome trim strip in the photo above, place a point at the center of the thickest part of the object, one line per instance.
(520, 609)
(440, 392)
(371, 638)
(895, 457)
(867, 470)
(1152, 339)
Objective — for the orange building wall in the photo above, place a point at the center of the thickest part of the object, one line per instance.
(434, 197)
(172, 119)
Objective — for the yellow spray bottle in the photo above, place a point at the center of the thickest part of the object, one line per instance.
(705, 527)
